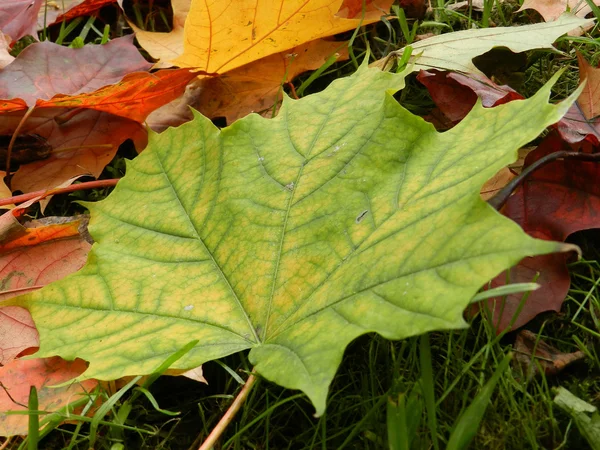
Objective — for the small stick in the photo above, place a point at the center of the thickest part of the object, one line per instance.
(45, 193)
(498, 200)
(218, 430)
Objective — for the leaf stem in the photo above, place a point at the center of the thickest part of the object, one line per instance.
(498, 200)
(218, 430)
(45, 193)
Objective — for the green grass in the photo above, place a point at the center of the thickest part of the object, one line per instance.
(427, 381)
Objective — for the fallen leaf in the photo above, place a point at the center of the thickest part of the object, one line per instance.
(555, 201)
(248, 31)
(354, 9)
(532, 353)
(17, 333)
(164, 47)
(83, 8)
(455, 51)
(497, 182)
(292, 236)
(18, 18)
(91, 137)
(455, 94)
(134, 97)
(45, 69)
(19, 375)
(33, 256)
(51, 9)
(85, 121)
(251, 88)
(589, 100)
(552, 9)
(5, 57)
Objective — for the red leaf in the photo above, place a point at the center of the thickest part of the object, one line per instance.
(455, 94)
(85, 8)
(557, 200)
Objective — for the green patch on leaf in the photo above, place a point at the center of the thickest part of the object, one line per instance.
(290, 237)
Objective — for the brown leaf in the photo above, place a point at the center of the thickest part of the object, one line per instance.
(532, 353)
(81, 131)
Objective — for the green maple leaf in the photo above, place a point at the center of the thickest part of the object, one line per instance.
(290, 237)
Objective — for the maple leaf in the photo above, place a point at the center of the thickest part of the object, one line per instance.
(555, 201)
(292, 236)
(18, 18)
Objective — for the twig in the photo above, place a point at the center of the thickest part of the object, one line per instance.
(12, 143)
(5, 443)
(45, 193)
(218, 430)
(498, 200)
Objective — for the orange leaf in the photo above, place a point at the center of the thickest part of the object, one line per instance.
(134, 97)
(19, 375)
(589, 99)
(31, 257)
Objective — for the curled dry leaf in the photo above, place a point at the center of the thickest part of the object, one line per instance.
(532, 353)
(82, 8)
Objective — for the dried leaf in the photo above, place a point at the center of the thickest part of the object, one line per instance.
(532, 353)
